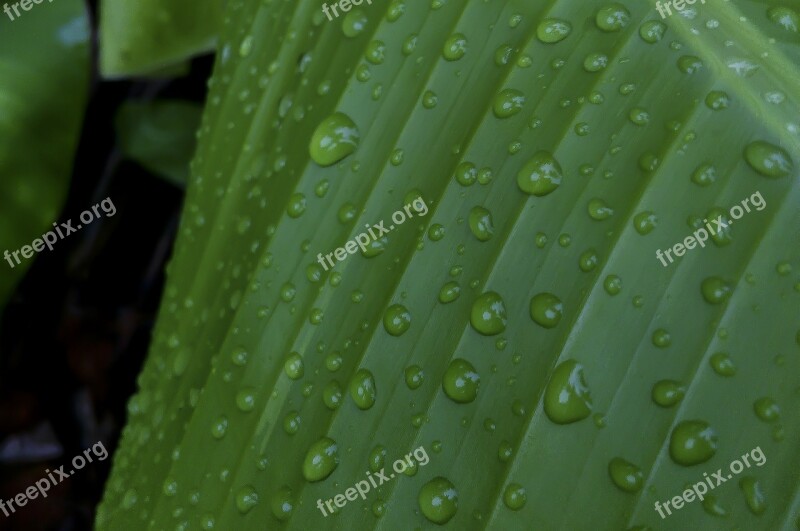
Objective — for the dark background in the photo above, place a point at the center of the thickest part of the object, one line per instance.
(75, 333)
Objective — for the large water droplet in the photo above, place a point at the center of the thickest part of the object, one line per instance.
(552, 30)
(396, 319)
(438, 500)
(541, 175)
(625, 475)
(321, 459)
(692, 442)
(768, 159)
(612, 17)
(508, 103)
(488, 316)
(362, 389)
(455, 47)
(246, 499)
(567, 398)
(514, 496)
(546, 310)
(334, 139)
(667, 393)
(753, 495)
(480, 223)
(282, 504)
(461, 381)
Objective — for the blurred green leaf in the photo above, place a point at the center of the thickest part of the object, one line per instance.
(160, 136)
(44, 80)
(138, 37)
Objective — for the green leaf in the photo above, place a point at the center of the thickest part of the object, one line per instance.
(160, 136)
(44, 79)
(142, 37)
(522, 332)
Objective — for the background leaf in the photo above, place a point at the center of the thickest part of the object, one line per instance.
(160, 136)
(138, 37)
(44, 64)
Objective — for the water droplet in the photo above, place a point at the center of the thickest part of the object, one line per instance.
(246, 499)
(514, 496)
(460, 382)
(595, 62)
(449, 292)
(722, 364)
(712, 506)
(508, 103)
(661, 338)
(396, 319)
(753, 495)
(652, 31)
(667, 393)
(219, 427)
(488, 316)
(588, 260)
(704, 175)
(546, 310)
(396, 10)
(438, 500)
(294, 366)
(553, 30)
(767, 409)
(375, 52)
(246, 47)
(246, 399)
(362, 389)
(625, 475)
(715, 290)
(414, 376)
(567, 398)
(335, 138)
(541, 175)
(612, 17)
(767, 159)
(429, 99)
(354, 23)
(692, 442)
(717, 100)
(689, 64)
(282, 504)
(645, 222)
(785, 17)
(291, 422)
(598, 209)
(321, 459)
(480, 223)
(455, 47)
(612, 284)
(332, 395)
(639, 116)
(170, 487)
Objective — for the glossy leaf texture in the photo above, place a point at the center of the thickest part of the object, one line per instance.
(523, 330)
(44, 81)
